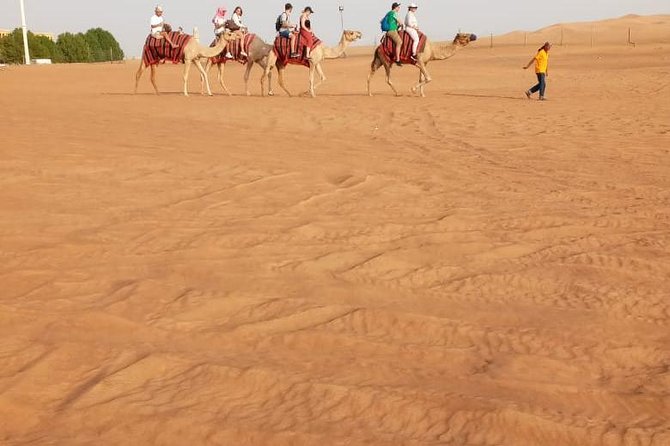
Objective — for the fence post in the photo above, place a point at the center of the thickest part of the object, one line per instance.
(561, 36)
(525, 39)
(491, 40)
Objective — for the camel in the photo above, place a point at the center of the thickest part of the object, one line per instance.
(257, 53)
(431, 52)
(319, 54)
(193, 52)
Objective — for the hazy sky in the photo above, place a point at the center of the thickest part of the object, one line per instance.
(128, 20)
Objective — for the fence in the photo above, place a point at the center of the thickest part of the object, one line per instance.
(581, 36)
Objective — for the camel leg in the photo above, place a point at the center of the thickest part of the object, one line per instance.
(312, 70)
(424, 78)
(250, 64)
(208, 66)
(271, 61)
(263, 63)
(187, 68)
(280, 75)
(388, 79)
(203, 74)
(221, 67)
(322, 76)
(153, 78)
(413, 88)
(376, 63)
(138, 75)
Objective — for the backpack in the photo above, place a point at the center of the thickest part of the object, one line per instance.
(278, 22)
(385, 23)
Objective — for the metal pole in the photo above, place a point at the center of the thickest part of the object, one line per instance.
(342, 17)
(341, 8)
(491, 40)
(26, 51)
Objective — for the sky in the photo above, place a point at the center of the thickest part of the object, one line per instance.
(128, 20)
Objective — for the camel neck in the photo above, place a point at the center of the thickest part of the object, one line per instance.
(445, 51)
(336, 51)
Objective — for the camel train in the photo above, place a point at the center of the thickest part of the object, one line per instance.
(165, 45)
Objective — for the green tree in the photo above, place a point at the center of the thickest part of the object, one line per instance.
(74, 48)
(103, 45)
(11, 47)
(93, 41)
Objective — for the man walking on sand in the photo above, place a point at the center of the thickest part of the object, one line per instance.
(541, 61)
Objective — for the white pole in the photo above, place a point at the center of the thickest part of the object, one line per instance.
(25, 33)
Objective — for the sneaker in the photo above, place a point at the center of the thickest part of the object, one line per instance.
(243, 54)
(229, 56)
(398, 63)
(527, 94)
(294, 55)
(413, 57)
(542, 98)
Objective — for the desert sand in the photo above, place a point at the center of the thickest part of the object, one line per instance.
(472, 268)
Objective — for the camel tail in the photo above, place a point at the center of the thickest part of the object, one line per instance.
(196, 34)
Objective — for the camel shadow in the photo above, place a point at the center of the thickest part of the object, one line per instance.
(149, 93)
(487, 96)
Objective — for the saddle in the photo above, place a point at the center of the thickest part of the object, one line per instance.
(155, 50)
(282, 49)
(387, 47)
(235, 49)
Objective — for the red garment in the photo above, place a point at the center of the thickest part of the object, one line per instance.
(307, 37)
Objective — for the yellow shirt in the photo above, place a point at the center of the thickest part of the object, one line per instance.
(541, 61)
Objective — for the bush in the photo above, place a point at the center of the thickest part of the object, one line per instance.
(96, 45)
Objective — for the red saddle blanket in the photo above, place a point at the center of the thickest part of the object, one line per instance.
(156, 50)
(388, 47)
(235, 49)
(282, 49)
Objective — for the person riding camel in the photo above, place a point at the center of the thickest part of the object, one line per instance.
(286, 29)
(235, 24)
(412, 27)
(391, 26)
(157, 26)
(306, 34)
(219, 22)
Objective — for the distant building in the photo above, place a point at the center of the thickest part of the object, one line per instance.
(6, 32)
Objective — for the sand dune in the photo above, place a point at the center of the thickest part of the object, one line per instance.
(643, 30)
(468, 269)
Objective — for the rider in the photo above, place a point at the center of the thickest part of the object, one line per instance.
(306, 30)
(286, 28)
(412, 27)
(219, 21)
(157, 23)
(393, 26)
(235, 24)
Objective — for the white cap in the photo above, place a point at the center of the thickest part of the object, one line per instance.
(159, 8)
(412, 5)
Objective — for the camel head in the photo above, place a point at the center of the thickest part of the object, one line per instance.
(351, 36)
(462, 39)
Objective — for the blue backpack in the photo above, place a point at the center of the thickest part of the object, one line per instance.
(385, 23)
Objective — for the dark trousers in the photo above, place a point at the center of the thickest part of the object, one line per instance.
(541, 84)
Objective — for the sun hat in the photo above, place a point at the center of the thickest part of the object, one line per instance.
(159, 8)
(412, 5)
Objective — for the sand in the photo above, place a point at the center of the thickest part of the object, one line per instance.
(471, 268)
